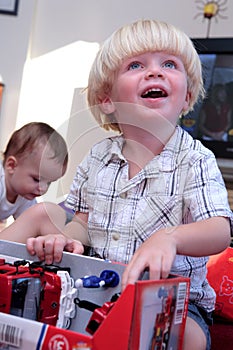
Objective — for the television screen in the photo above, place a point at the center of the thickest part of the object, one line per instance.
(211, 121)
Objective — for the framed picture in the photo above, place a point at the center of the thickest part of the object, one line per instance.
(9, 7)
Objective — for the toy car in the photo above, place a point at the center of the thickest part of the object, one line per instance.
(30, 291)
(163, 320)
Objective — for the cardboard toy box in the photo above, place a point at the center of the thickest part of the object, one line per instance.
(148, 315)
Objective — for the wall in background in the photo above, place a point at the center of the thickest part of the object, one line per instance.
(44, 29)
(43, 26)
(61, 22)
(15, 34)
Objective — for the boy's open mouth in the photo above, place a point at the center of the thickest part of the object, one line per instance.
(154, 93)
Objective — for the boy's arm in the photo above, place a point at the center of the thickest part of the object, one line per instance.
(157, 253)
(77, 228)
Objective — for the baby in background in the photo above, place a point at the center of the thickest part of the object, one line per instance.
(35, 156)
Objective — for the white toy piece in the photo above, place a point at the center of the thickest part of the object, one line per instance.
(67, 309)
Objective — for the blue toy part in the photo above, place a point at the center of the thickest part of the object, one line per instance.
(111, 278)
(108, 278)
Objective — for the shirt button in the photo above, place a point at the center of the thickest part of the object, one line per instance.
(116, 236)
(123, 195)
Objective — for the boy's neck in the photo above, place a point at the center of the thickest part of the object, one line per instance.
(138, 155)
(139, 152)
(145, 143)
(142, 144)
(146, 148)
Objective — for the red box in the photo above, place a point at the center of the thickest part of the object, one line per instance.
(147, 315)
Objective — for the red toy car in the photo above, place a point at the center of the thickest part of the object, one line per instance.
(29, 291)
(163, 320)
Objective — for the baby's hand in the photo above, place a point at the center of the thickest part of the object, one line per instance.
(157, 254)
(50, 248)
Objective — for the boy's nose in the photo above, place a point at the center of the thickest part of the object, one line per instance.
(154, 72)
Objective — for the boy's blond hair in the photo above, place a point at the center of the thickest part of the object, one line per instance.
(135, 39)
(25, 140)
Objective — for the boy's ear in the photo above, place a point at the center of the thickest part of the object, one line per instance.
(10, 164)
(107, 106)
(187, 100)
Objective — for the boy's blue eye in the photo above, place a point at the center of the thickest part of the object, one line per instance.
(135, 65)
(169, 64)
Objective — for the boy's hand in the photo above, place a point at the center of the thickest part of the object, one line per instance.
(157, 254)
(50, 248)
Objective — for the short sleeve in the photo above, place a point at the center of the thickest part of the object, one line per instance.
(205, 192)
(77, 197)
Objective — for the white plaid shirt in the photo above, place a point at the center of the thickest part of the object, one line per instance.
(181, 185)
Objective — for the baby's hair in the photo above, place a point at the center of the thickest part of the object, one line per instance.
(24, 140)
(132, 40)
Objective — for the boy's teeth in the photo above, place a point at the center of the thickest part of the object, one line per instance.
(154, 93)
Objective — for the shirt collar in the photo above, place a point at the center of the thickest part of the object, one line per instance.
(175, 150)
(115, 150)
(170, 157)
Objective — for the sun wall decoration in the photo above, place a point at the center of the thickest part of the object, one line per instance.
(210, 10)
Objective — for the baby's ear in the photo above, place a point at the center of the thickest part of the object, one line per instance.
(107, 106)
(10, 164)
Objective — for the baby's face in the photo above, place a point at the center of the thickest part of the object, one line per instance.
(33, 175)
